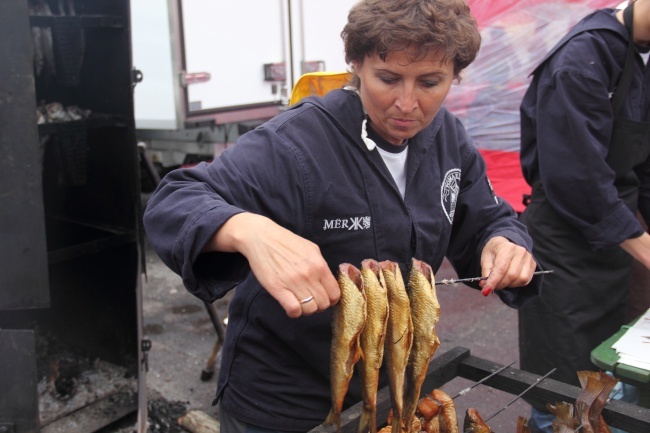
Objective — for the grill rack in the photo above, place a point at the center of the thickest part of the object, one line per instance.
(458, 362)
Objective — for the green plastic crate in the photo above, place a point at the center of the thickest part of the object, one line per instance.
(606, 358)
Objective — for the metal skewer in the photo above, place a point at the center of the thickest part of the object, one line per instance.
(522, 393)
(613, 395)
(466, 390)
(471, 280)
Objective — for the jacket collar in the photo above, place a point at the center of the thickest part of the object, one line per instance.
(344, 108)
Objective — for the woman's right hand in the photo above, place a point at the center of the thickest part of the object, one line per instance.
(289, 267)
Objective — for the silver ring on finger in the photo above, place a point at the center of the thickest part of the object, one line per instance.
(307, 299)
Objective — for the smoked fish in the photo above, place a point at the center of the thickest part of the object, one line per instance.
(425, 312)
(416, 426)
(399, 339)
(522, 425)
(473, 422)
(447, 417)
(348, 320)
(564, 422)
(372, 342)
(596, 388)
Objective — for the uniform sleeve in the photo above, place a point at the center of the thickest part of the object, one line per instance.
(191, 204)
(481, 215)
(573, 132)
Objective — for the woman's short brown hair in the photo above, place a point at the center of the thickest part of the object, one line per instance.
(380, 26)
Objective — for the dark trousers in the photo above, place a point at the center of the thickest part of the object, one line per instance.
(229, 424)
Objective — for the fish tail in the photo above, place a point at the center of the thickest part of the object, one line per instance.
(368, 420)
(408, 417)
(397, 426)
(334, 418)
(522, 425)
(410, 400)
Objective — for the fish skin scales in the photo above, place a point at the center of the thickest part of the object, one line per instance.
(372, 342)
(425, 312)
(399, 339)
(348, 320)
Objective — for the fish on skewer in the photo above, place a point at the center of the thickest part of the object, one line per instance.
(447, 417)
(45, 45)
(39, 55)
(522, 425)
(428, 408)
(565, 421)
(438, 411)
(584, 402)
(596, 388)
(416, 425)
(473, 423)
(372, 341)
(399, 339)
(425, 312)
(348, 320)
(55, 112)
(70, 8)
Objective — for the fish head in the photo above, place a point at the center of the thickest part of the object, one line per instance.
(422, 267)
(351, 272)
(473, 422)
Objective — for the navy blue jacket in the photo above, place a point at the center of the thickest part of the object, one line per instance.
(566, 126)
(308, 170)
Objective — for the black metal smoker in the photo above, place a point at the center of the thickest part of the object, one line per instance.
(69, 215)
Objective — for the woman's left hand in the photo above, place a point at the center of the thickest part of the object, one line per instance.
(506, 265)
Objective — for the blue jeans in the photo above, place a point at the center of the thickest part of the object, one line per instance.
(540, 421)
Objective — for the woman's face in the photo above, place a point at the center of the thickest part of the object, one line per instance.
(400, 96)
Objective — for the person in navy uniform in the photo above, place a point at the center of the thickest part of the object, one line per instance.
(378, 169)
(585, 141)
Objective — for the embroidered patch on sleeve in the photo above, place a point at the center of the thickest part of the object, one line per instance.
(449, 193)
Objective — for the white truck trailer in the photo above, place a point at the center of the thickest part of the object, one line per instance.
(213, 69)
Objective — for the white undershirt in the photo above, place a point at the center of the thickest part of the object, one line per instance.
(396, 164)
(395, 161)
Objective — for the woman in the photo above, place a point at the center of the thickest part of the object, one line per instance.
(376, 170)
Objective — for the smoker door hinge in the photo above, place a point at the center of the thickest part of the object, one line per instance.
(145, 346)
(136, 76)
